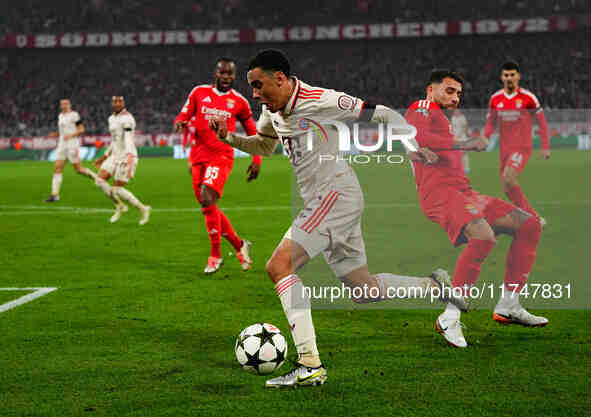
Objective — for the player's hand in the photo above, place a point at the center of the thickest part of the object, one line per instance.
(428, 155)
(179, 126)
(424, 155)
(219, 126)
(253, 171)
(67, 136)
(545, 153)
(53, 134)
(479, 145)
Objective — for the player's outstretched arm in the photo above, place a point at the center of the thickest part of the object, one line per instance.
(545, 137)
(476, 144)
(258, 144)
(383, 114)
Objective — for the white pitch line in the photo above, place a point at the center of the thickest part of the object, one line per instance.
(39, 292)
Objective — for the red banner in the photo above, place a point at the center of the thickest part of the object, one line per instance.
(295, 33)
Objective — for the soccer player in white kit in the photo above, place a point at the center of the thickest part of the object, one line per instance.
(330, 221)
(120, 161)
(70, 128)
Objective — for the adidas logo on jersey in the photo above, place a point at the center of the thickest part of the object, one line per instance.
(207, 99)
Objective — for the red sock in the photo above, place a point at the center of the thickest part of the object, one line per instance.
(470, 262)
(213, 225)
(522, 254)
(518, 198)
(229, 233)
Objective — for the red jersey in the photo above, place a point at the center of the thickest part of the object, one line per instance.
(204, 103)
(434, 131)
(513, 113)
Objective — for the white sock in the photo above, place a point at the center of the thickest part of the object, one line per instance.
(400, 286)
(451, 312)
(296, 305)
(108, 190)
(509, 300)
(89, 173)
(127, 196)
(56, 183)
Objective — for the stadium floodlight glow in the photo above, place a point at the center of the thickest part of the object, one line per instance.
(394, 133)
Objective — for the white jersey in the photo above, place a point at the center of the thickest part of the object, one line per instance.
(460, 126)
(67, 124)
(122, 128)
(307, 108)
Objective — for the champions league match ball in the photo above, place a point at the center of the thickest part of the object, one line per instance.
(260, 348)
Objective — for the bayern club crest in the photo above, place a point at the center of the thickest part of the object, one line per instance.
(304, 124)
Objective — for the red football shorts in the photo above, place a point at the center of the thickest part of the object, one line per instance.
(515, 158)
(212, 173)
(453, 208)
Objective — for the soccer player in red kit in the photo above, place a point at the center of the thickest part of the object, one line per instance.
(512, 109)
(447, 198)
(211, 161)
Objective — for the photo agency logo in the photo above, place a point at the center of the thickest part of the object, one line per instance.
(359, 143)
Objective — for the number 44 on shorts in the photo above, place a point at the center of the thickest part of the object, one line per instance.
(211, 173)
(516, 159)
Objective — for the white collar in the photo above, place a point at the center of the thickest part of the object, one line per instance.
(510, 96)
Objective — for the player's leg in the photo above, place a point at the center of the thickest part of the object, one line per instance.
(286, 259)
(106, 171)
(216, 179)
(526, 230)
(512, 166)
(56, 180)
(364, 287)
(242, 247)
(83, 170)
(368, 288)
(120, 181)
(208, 199)
(481, 240)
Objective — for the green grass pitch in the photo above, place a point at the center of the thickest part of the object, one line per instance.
(136, 329)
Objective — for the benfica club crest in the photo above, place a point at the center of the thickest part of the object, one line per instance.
(518, 103)
(230, 103)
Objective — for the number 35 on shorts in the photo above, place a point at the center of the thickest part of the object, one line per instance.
(211, 173)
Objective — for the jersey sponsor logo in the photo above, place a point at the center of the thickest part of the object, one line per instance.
(207, 99)
(210, 112)
(346, 102)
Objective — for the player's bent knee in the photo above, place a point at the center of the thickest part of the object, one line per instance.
(278, 267)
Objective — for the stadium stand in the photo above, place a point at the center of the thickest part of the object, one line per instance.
(155, 80)
(28, 16)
